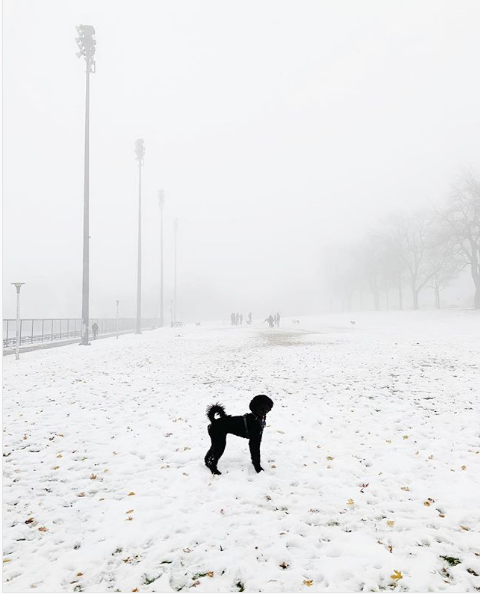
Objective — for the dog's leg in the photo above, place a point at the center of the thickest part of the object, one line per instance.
(219, 441)
(254, 445)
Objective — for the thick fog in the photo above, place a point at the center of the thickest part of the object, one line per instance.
(281, 133)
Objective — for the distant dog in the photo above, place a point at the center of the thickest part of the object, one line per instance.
(249, 426)
(296, 321)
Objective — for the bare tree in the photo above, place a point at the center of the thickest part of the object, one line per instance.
(444, 262)
(463, 219)
(411, 237)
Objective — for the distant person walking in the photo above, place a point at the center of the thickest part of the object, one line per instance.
(95, 330)
(232, 319)
(270, 320)
(277, 320)
(249, 317)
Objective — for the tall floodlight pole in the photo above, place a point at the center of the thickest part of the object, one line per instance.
(139, 155)
(175, 229)
(118, 303)
(161, 202)
(86, 44)
(17, 345)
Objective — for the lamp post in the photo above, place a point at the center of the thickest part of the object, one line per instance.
(161, 202)
(86, 44)
(175, 229)
(17, 346)
(139, 155)
(118, 303)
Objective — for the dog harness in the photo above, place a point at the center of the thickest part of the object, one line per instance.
(262, 422)
(246, 428)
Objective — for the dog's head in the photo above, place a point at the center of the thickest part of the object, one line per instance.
(261, 405)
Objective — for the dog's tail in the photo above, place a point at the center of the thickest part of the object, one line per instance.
(214, 409)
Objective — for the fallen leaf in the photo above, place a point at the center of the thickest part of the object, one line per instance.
(308, 583)
(464, 528)
(5, 560)
(129, 511)
(283, 565)
(464, 467)
(391, 523)
(131, 493)
(93, 477)
(56, 467)
(82, 494)
(426, 503)
(329, 457)
(405, 437)
(405, 488)
(129, 519)
(397, 575)
(350, 502)
(59, 456)
(29, 521)
(441, 515)
(79, 574)
(43, 529)
(187, 550)
(210, 573)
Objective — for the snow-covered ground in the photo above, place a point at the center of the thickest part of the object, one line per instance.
(371, 457)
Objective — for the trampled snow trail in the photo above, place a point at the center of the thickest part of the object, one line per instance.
(371, 452)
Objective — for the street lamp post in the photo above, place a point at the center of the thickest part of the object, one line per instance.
(175, 229)
(86, 44)
(139, 155)
(17, 346)
(161, 203)
(118, 303)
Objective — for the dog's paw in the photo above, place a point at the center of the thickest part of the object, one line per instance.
(258, 468)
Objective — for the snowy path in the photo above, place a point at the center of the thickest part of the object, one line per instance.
(372, 459)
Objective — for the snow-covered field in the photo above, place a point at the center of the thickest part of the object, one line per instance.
(371, 457)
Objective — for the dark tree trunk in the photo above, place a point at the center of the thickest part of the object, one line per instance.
(415, 293)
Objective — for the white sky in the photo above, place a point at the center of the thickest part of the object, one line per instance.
(274, 127)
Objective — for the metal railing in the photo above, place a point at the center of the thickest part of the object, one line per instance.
(40, 330)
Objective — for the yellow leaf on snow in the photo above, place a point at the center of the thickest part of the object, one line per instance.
(350, 502)
(131, 493)
(43, 529)
(308, 583)
(391, 523)
(396, 575)
(210, 573)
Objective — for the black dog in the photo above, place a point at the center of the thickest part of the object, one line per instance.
(249, 426)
